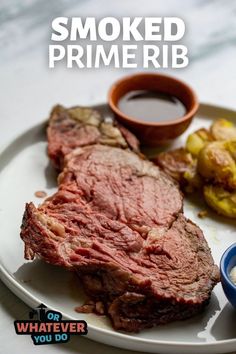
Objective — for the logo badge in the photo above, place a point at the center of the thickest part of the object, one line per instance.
(46, 326)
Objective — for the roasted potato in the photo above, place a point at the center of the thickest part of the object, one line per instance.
(181, 166)
(223, 129)
(192, 179)
(221, 200)
(207, 163)
(197, 140)
(231, 147)
(216, 163)
(175, 162)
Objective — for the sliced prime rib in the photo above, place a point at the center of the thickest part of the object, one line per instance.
(117, 221)
(81, 126)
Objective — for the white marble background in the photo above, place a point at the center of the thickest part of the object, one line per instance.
(28, 89)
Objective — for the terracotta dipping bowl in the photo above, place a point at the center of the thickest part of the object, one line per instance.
(160, 132)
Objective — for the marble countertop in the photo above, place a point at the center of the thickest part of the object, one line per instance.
(29, 88)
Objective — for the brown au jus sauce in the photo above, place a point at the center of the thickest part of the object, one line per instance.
(151, 106)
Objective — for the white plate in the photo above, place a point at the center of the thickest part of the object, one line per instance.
(25, 169)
